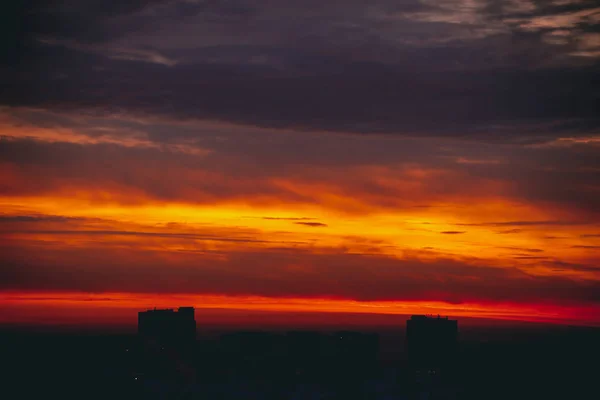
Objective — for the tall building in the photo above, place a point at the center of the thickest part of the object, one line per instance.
(432, 344)
(168, 326)
(432, 341)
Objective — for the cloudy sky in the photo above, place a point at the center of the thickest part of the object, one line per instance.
(352, 156)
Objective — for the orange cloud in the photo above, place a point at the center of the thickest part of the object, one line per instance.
(416, 232)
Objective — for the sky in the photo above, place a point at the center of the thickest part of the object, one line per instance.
(361, 157)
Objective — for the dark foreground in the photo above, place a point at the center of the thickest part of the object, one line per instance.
(557, 363)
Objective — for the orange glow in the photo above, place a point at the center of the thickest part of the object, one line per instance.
(438, 240)
(449, 230)
(29, 307)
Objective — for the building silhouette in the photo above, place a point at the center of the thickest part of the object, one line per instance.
(167, 326)
(431, 342)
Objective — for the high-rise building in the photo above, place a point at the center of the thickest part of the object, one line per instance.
(168, 326)
(432, 341)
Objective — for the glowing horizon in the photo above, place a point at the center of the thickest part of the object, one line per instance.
(66, 303)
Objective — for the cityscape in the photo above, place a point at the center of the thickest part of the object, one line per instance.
(300, 200)
(426, 357)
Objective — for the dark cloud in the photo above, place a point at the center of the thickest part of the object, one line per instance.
(453, 232)
(531, 223)
(99, 229)
(336, 67)
(287, 218)
(509, 231)
(528, 250)
(141, 234)
(38, 218)
(237, 167)
(565, 265)
(366, 99)
(527, 257)
(166, 175)
(285, 273)
(312, 224)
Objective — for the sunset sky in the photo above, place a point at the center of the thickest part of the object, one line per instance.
(359, 157)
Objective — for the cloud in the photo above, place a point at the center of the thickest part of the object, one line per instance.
(530, 223)
(386, 173)
(312, 224)
(476, 68)
(139, 234)
(287, 218)
(510, 231)
(526, 257)
(567, 17)
(117, 53)
(452, 232)
(82, 231)
(528, 250)
(282, 273)
(38, 218)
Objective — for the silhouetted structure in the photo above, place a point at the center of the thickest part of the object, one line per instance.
(514, 362)
(432, 355)
(168, 326)
(432, 341)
